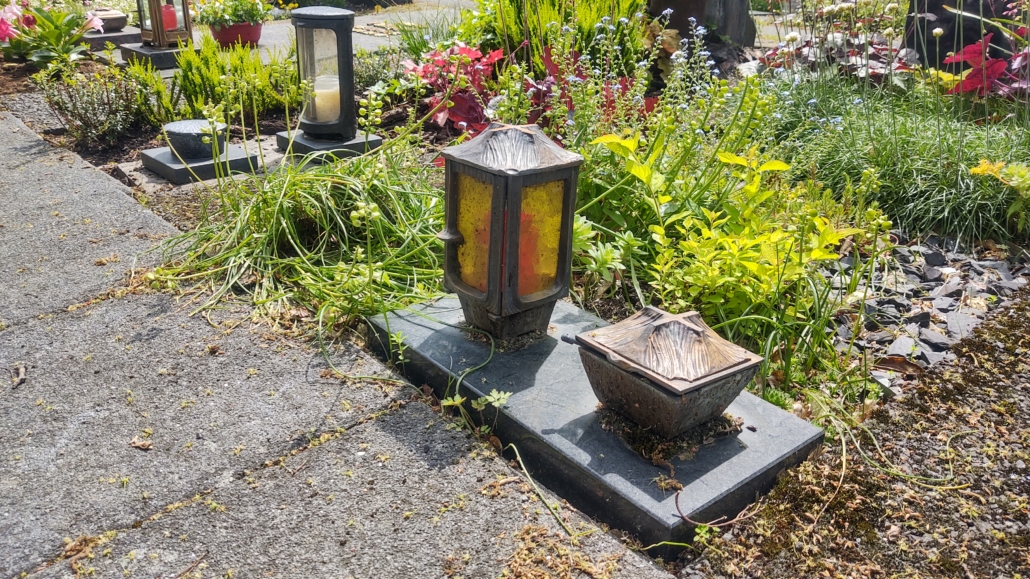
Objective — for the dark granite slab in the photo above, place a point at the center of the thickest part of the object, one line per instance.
(161, 58)
(303, 145)
(98, 41)
(551, 419)
(235, 160)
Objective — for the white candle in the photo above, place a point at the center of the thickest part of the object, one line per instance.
(327, 98)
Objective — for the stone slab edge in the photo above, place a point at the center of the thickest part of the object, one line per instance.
(564, 475)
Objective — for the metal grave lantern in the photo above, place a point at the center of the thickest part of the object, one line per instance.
(324, 54)
(164, 23)
(325, 57)
(510, 199)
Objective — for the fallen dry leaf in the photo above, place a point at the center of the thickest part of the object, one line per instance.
(141, 444)
(898, 364)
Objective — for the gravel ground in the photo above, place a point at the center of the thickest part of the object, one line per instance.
(31, 108)
(938, 484)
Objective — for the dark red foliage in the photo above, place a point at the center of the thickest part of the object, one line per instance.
(982, 79)
(986, 74)
(541, 92)
(973, 55)
(464, 111)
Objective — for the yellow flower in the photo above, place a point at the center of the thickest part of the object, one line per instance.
(946, 79)
(988, 168)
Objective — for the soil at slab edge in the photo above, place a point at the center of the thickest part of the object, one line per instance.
(14, 77)
(963, 423)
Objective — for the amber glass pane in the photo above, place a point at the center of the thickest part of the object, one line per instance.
(474, 200)
(539, 236)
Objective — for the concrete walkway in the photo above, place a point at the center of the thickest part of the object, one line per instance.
(277, 35)
(146, 442)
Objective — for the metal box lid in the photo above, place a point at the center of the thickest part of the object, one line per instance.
(676, 351)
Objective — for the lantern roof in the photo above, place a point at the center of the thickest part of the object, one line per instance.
(679, 352)
(512, 150)
(322, 13)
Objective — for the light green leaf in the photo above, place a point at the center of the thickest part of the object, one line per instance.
(731, 159)
(820, 254)
(773, 166)
(625, 148)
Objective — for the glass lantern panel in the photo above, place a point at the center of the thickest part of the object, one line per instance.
(474, 199)
(180, 11)
(144, 16)
(316, 49)
(171, 16)
(540, 236)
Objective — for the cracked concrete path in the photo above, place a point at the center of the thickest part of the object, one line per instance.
(401, 496)
(209, 402)
(67, 230)
(148, 442)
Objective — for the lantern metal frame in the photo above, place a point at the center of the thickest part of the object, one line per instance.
(156, 35)
(500, 310)
(341, 22)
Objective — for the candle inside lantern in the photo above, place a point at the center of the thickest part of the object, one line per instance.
(326, 98)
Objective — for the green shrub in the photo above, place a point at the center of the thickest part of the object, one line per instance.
(213, 76)
(418, 38)
(345, 239)
(97, 107)
(508, 24)
(920, 146)
(53, 39)
(767, 5)
(380, 65)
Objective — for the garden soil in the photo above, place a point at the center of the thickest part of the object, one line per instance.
(933, 485)
(14, 77)
(140, 439)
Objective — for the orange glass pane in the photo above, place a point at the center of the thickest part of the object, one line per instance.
(539, 236)
(474, 205)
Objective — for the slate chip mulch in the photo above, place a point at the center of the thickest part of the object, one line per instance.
(918, 303)
(938, 484)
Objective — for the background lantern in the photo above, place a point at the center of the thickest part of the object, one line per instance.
(164, 23)
(510, 200)
(325, 56)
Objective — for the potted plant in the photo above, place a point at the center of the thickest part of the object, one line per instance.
(233, 21)
(44, 36)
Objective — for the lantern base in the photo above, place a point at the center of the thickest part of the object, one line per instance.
(160, 58)
(166, 164)
(98, 40)
(303, 144)
(506, 327)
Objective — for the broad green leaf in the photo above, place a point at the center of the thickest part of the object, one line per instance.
(818, 254)
(625, 148)
(773, 166)
(657, 180)
(644, 172)
(731, 159)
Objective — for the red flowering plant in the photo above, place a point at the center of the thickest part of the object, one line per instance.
(44, 35)
(458, 76)
(985, 74)
(581, 95)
